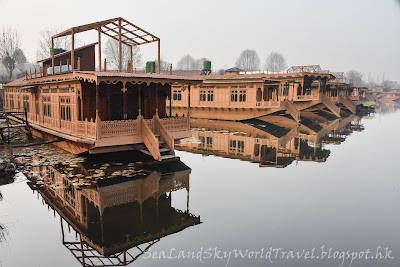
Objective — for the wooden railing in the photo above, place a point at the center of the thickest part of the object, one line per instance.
(118, 128)
(86, 128)
(173, 124)
(164, 134)
(330, 105)
(293, 111)
(348, 104)
(149, 139)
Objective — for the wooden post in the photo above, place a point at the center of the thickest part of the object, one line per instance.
(170, 104)
(140, 100)
(105, 64)
(99, 35)
(72, 50)
(131, 56)
(188, 114)
(170, 69)
(60, 66)
(157, 99)
(159, 57)
(52, 55)
(68, 65)
(120, 45)
(97, 101)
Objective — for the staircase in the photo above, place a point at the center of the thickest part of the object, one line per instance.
(158, 144)
(292, 110)
(330, 105)
(348, 104)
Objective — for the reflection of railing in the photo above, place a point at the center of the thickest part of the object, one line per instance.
(268, 104)
(307, 98)
(118, 128)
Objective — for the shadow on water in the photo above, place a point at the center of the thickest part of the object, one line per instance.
(114, 206)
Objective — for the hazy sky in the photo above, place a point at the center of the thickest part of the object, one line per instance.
(337, 34)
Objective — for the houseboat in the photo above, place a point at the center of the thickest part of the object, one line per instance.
(97, 111)
(238, 96)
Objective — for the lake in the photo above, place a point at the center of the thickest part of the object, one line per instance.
(253, 193)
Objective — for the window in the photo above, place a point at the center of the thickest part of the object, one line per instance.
(65, 108)
(240, 146)
(25, 102)
(286, 89)
(209, 141)
(210, 95)
(202, 95)
(232, 145)
(46, 106)
(234, 96)
(11, 101)
(242, 96)
(177, 95)
(236, 146)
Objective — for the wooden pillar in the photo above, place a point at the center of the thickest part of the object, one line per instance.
(52, 55)
(170, 104)
(188, 114)
(159, 57)
(157, 99)
(140, 100)
(72, 50)
(97, 101)
(120, 45)
(99, 43)
(124, 102)
(319, 86)
(132, 57)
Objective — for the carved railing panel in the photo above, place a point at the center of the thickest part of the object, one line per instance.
(118, 128)
(174, 124)
(86, 128)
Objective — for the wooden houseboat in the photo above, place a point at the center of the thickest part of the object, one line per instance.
(99, 111)
(237, 96)
(119, 218)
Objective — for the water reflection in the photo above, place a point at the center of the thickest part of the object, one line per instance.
(114, 210)
(273, 141)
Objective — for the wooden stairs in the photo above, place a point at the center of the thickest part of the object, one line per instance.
(292, 110)
(348, 104)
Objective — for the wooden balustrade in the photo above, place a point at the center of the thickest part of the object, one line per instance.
(118, 128)
(268, 104)
(149, 139)
(307, 97)
(86, 128)
(174, 124)
(163, 132)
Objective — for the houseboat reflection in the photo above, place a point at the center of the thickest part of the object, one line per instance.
(271, 141)
(115, 217)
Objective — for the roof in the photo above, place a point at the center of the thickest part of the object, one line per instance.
(19, 82)
(131, 34)
(235, 69)
(67, 52)
(136, 75)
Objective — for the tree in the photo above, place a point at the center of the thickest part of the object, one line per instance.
(45, 42)
(275, 62)
(112, 54)
(187, 62)
(11, 56)
(164, 65)
(199, 63)
(354, 77)
(248, 60)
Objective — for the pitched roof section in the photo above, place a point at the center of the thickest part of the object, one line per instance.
(131, 34)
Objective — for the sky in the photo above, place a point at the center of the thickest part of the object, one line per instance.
(338, 35)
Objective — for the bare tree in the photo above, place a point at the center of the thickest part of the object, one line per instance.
(112, 54)
(187, 62)
(275, 62)
(199, 63)
(11, 56)
(248, 60)
(164, 65)
(44, 50)
(354, 77)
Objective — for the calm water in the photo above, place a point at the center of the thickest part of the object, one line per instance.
(213, 206)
